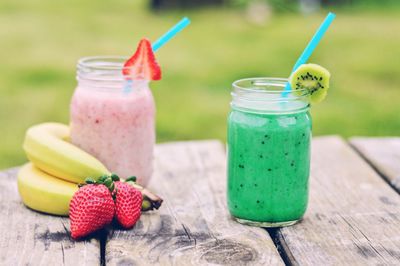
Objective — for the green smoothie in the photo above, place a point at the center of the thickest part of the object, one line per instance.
(268, 165)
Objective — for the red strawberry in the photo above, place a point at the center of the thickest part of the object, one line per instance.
(143, 64)
(128, 203)
(91, 208)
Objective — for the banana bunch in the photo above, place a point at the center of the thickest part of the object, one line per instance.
(49, 181)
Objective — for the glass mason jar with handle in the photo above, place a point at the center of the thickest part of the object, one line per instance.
(269, 134)
(112, 118)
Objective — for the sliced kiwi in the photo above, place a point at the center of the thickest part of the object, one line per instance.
(311, 80)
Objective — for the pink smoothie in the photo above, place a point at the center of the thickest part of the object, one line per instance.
(117, 127)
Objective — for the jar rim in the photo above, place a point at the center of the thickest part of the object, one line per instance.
(109, 62)
(259, 84)
(105, 72)
(268, 95)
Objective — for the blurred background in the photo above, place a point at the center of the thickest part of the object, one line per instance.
(41, 41)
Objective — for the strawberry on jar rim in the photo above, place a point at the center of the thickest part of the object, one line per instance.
(143, 64)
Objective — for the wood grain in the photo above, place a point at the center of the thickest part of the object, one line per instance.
(383, 154)
(353, 216)
(31, 238)
(193, 226)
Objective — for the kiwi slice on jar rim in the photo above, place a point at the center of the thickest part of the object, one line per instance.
(311, 80)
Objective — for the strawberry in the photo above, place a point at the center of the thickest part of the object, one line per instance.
(128, 203)
(143, 64)
(91, 208)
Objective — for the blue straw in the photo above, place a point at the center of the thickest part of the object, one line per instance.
(311, 47)
(171, 33)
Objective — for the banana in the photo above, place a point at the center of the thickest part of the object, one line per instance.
(43, 192)
(47, 146)
(49, 181)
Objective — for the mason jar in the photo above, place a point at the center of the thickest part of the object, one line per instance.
(112, 117)
(268, 147)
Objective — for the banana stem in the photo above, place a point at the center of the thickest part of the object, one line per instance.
(150, 200)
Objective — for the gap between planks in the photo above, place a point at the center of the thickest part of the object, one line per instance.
(28, 237)
(383, 154)
(353, 216)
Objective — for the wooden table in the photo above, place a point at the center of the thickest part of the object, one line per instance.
(353, 216)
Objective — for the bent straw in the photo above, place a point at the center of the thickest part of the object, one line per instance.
(311, 47)
(171, 33)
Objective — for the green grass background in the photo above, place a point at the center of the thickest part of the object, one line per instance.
(41, 41)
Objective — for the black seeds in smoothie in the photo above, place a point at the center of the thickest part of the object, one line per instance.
(304, 134)
(292, 163)
(258, 201)
(261, 156)
(235, 206)
(262, 142)
(241, 185)
(269, 169)
(241, 166)
(255, 185)
(286, 153)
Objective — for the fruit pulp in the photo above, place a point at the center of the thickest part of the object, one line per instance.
(268, 167)
(117, 127)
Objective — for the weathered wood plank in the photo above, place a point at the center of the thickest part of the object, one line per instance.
(193, 226)
(31, 238)
(353, 216)
(383, 154)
